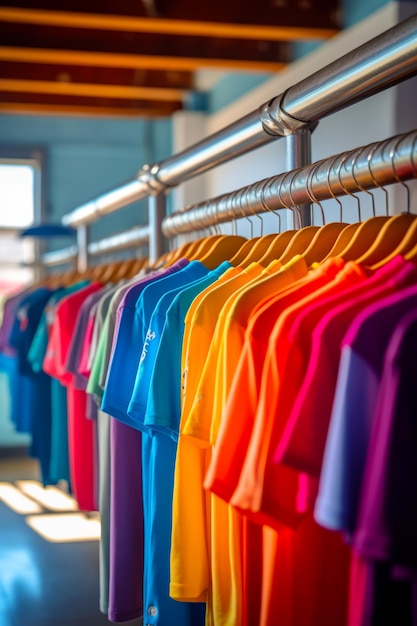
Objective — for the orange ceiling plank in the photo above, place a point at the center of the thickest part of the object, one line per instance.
(109, 59)
(88, 89)
(162, 26)
(27, 108)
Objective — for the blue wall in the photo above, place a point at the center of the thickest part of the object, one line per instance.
(232, 86)
(87, 156)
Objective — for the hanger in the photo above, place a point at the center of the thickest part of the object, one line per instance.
(324, 239)
(106, 273)
(409, 242)
(255, 247)
(204, 245)
(187, 250)
(222, 249)
(242, 253)
(366, 231)
(344, 237)
(298, 241)
(282, 239)
(392, 233)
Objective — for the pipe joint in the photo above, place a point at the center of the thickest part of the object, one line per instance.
(148, 175)
(276, 121)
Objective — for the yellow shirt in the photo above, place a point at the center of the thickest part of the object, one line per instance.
(205, 395)
(191, 560)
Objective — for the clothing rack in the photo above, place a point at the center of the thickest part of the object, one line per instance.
(378, 64)
(375, 165)
(138, 236)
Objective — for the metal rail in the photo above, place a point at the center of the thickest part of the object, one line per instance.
(374, 165)
(380, 63)
(121, 241)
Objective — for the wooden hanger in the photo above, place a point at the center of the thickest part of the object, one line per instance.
(298, 243)
(201, 247)
(389, 238)
(255, 252)
(343, 240)
(276, 248)
(391, 242)
(325, 238)
(322, 242)
(189, 250)
(243, 252)
(222, 250)
(406, 245)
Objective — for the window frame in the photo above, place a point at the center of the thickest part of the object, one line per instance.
(36, 157)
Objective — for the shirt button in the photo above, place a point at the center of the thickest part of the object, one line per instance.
(152, 611)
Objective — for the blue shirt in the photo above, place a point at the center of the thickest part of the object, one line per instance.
(163, 410)
(127, 347)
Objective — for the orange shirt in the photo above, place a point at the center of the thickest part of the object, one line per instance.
(240, 410)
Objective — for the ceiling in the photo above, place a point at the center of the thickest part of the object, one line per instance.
(141, 57)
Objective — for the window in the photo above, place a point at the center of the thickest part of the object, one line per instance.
(20, 206)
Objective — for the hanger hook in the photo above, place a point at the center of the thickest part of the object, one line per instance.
(280, 181)
(331, 189)
(349, 193)
(374, 180)
(293, 207)
(355, 160)
(266, 185)
(204, 221)
(229, 209)
(310, 194)
(212, 210)
(413, 145)
(239, 195)
(397, 178)
(259, 217)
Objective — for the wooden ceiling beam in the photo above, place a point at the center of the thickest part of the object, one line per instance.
(69, 19)
(92, 89)
(133, 61)
(72, 102)
(65, 110)
(98, 75)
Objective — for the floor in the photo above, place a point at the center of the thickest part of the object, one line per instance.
(43, 583)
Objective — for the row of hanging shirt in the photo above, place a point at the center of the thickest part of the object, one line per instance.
(256, 408)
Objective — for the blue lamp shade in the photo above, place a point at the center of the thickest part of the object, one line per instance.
(49, 230)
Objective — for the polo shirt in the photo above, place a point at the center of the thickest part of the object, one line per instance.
(362, 354)
(162, 415)
(20, 386)
(193, 578)
(127, 347)
(139, 398)
(75, 349)
(250, 494)
(59, 460)
(163, 411)
(388, 509)
(303, 441)
(245, 540)
(386, 523)
(36, 406)
(158, 461)
(121, 554)
(234, 434)
(80, 429)
(89, 349)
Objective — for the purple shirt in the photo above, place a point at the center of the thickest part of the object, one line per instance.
(360, 371)
(388, 513)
